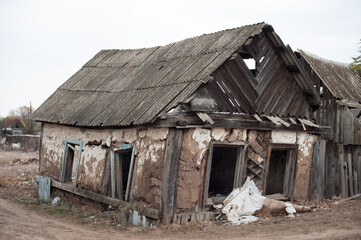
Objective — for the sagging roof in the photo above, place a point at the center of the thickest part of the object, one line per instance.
(133, 87)
(343, 82)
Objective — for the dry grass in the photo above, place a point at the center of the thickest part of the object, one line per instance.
(7, 157)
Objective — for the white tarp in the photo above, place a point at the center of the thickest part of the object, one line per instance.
(240, 205)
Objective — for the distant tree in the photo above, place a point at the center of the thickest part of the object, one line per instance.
(21, 117)
(356, 64)
(13, 122)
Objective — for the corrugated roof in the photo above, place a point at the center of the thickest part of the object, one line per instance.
(125, 87)
(342, 82)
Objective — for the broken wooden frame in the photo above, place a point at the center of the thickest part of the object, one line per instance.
(239, 169)
(290, 168)
(116, 162)
(67, 161)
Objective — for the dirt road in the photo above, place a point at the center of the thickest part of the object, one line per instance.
(17, 222)
(23, 217)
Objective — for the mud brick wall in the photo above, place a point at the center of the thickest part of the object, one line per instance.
(149, 157)
(195, 145)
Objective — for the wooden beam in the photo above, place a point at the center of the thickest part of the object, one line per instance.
(170, 174)
(148, 212)
(349, 104)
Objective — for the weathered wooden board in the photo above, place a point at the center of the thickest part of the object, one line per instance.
(170, 174)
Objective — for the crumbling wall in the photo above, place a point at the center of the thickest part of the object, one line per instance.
(149, 156)
(193, 157)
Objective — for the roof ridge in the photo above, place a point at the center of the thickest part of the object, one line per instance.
(185, 39)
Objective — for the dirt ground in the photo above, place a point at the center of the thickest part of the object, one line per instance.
(22, 216)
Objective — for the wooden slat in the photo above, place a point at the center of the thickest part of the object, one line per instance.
(148, 212)
(350, 173)
(170, 174)
(330, 170)
(321, 171)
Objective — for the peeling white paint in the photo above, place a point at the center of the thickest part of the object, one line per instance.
(279, 136)
(219, 134)
(305, 142)
(202, 137)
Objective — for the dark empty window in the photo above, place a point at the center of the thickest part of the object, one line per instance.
(223, 172)
(276, 171)
(224, 161)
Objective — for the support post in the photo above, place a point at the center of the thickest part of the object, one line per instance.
(170, 174)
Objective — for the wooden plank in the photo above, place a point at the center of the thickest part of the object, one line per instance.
(350, 173)
(320, 189)
(208, 175)
(344, 192)
(112, 173)
(106, 176)
(170, 174)
(131, 174)
(355, 155)
(118, 176)
(148, 212)
(330, 170)
(337, 180)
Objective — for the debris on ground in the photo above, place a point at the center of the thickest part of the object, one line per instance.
(241, 205)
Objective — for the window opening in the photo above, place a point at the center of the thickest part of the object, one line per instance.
(71, 159)
(276, 172)
(280, 170)
(251, 64)
(223, 172)
(122, 167)
(224, 161)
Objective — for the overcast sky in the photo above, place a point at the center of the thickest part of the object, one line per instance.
(44, 42)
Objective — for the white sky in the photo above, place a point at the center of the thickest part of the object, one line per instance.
(44, 42)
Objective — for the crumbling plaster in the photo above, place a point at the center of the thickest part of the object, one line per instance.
(196, 142)
(150, 147)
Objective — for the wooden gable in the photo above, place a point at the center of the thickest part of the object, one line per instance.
(269, 88)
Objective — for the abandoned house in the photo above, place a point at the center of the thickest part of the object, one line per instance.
(173, 129)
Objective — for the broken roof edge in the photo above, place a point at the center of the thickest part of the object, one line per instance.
(308, 57)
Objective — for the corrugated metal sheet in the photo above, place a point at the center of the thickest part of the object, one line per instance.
(342, 82)
(124, 87)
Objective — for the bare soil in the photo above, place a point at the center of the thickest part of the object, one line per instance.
(22, 216)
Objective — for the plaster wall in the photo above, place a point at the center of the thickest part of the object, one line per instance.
(149, 156)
